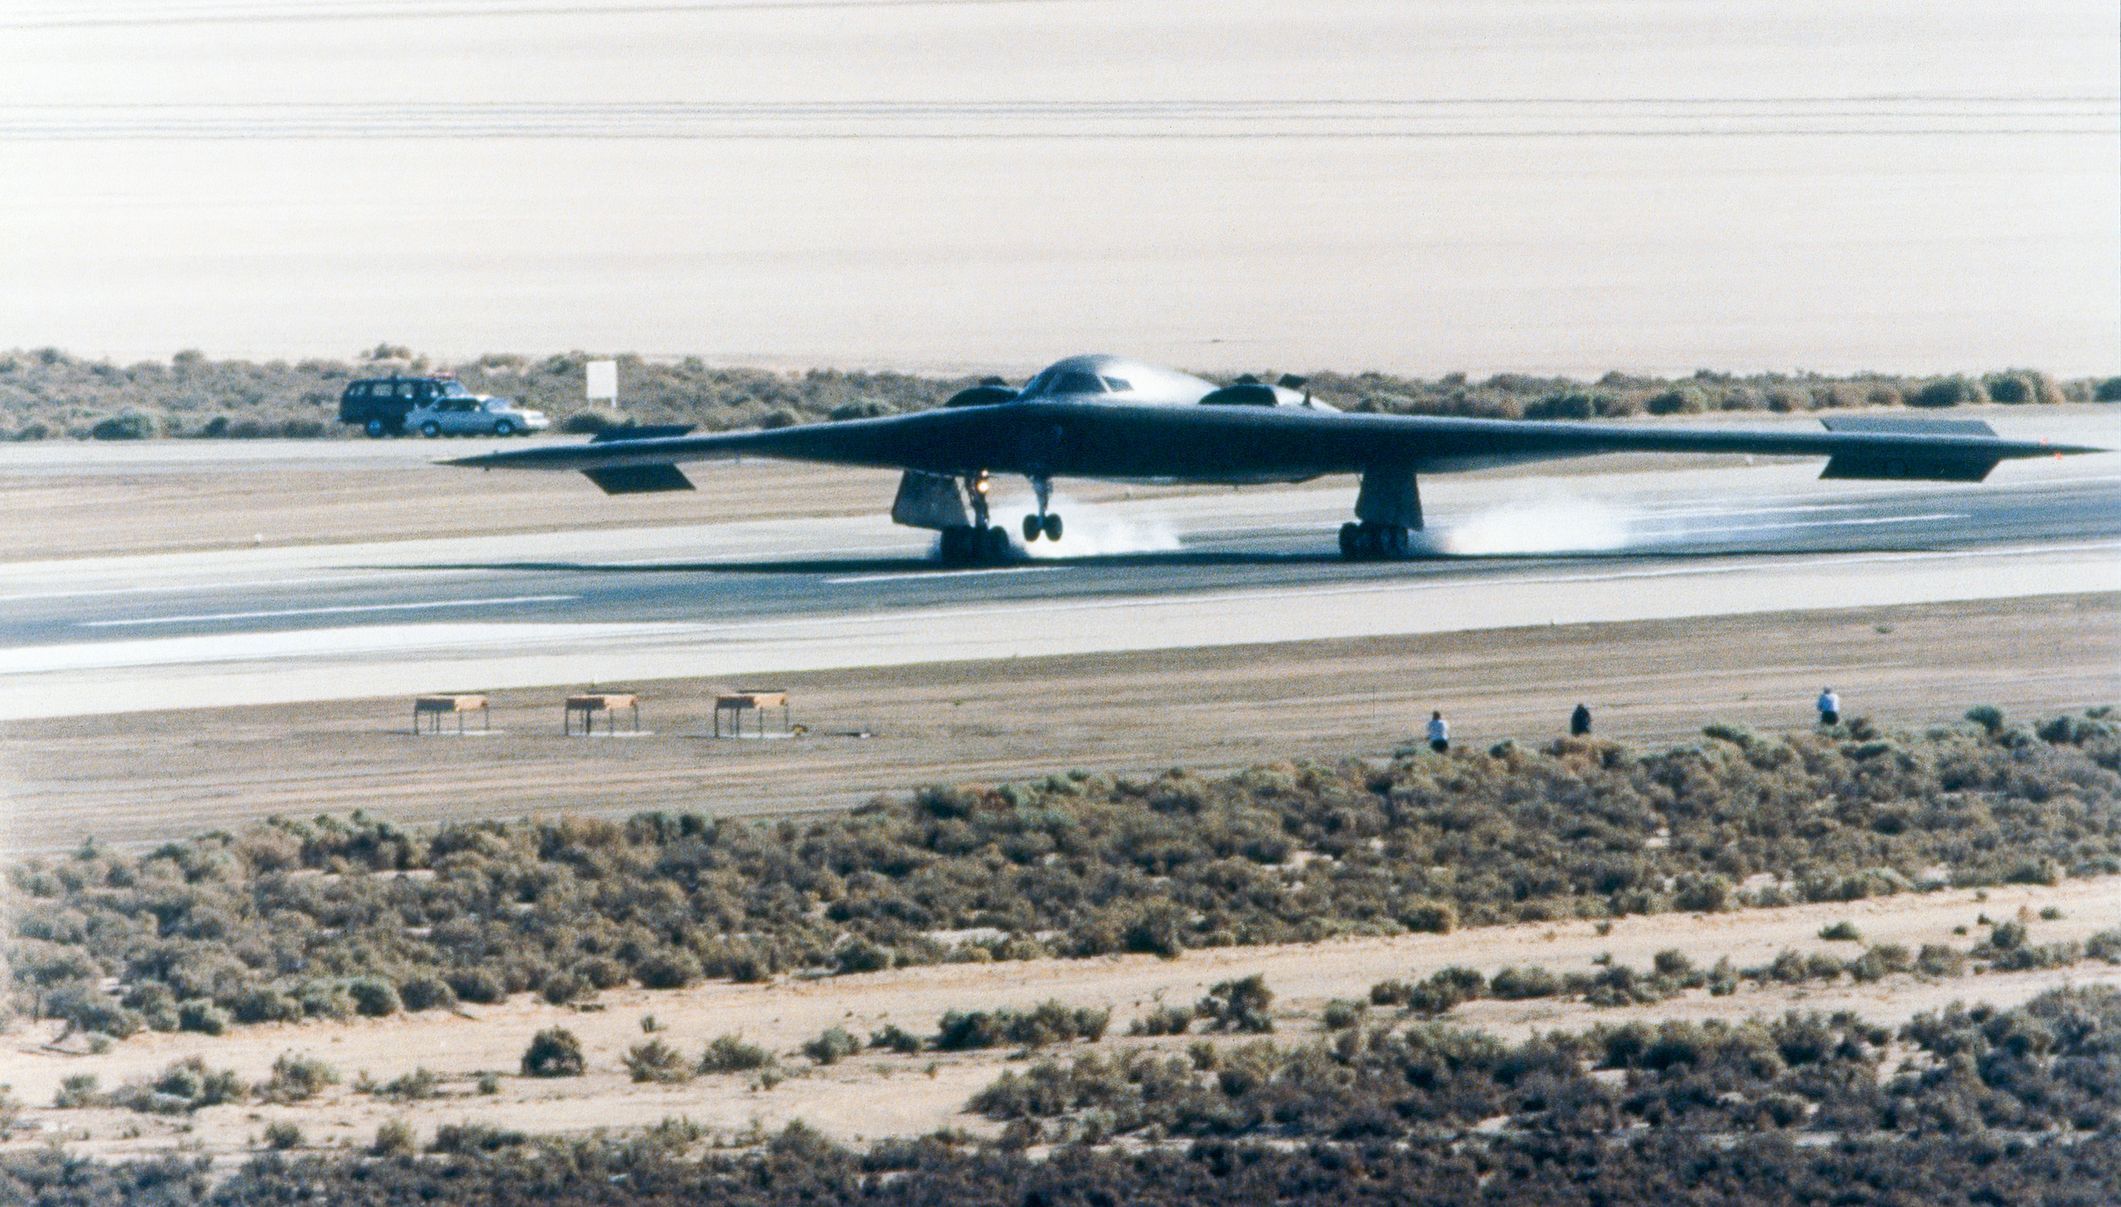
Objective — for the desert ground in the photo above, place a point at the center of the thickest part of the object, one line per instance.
(877, 1094)
(147, 777)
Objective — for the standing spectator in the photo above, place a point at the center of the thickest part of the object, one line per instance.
(1580, 722)
(1439, 733)
(1829, 707)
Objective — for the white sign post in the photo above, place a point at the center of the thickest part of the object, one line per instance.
(604, 382)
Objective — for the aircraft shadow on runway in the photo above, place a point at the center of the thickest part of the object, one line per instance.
(1170, 558)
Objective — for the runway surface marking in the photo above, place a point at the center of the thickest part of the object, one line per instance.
(178, 588)
(494, 602)
(926, 575)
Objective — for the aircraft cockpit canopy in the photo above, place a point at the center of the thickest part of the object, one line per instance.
(1075, 381)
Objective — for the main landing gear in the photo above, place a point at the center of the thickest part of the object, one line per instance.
(974, 546)
(1046, 523)
(1368, 542)
(980, 543)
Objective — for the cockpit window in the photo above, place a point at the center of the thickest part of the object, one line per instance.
(1078, 383)
(1119, 385)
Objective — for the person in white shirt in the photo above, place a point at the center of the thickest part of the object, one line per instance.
(1439, 733)
(1829, 707)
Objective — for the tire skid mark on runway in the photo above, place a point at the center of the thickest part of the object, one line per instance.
(927, 575)
(340, 610)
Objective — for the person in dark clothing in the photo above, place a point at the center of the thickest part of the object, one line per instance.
(1580, 722)
(1439, 733)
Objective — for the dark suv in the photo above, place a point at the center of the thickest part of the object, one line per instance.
(379, 404)
(386, 406)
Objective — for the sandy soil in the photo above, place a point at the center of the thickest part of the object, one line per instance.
(145, 777)
(876, 1095)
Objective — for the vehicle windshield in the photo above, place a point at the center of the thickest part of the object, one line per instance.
(451, 389)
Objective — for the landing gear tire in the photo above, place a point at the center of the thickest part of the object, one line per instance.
(1032, 528)
(1052, 525)
(1375, 542)
(974, 546)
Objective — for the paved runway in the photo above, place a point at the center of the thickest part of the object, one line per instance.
(255, 626)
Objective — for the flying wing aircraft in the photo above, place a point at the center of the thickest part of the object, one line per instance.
(1110, 418)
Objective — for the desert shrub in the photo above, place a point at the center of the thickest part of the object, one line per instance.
(831, 1046)
(202, 1016)
(1238, 1005)
(656, 1061)
(1988, 717)
(373, 996)
(475, 1139)
(860, 956)
(894, 1038)
(1704, 894)
(730, 1054)
(426, 991)
(264, 1004)
(1512, 984)
(554, 1052)
(1342, 1013)
(85, 1009)
(296, 1079)
(2018, 387)
(1163, 1020)
(180, 1088)
(1174, 862)
(1047, 1023)
(131, 425)
(420, 1084)
(1445, 990)
(1842, 932)
(1430, 917)
(1681, 400)
(282, 1135)
(1946, 392)
(1391, 993)
(476, 985)
(393, 1139)
(561, 988)
(668, 970)
(76, 1090)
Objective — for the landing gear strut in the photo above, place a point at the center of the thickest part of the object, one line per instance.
(1374, 542)
(1045, 522)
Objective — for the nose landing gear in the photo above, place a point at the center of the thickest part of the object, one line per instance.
(1046, 523)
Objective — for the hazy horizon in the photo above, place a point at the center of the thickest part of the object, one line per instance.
(1568, 189)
